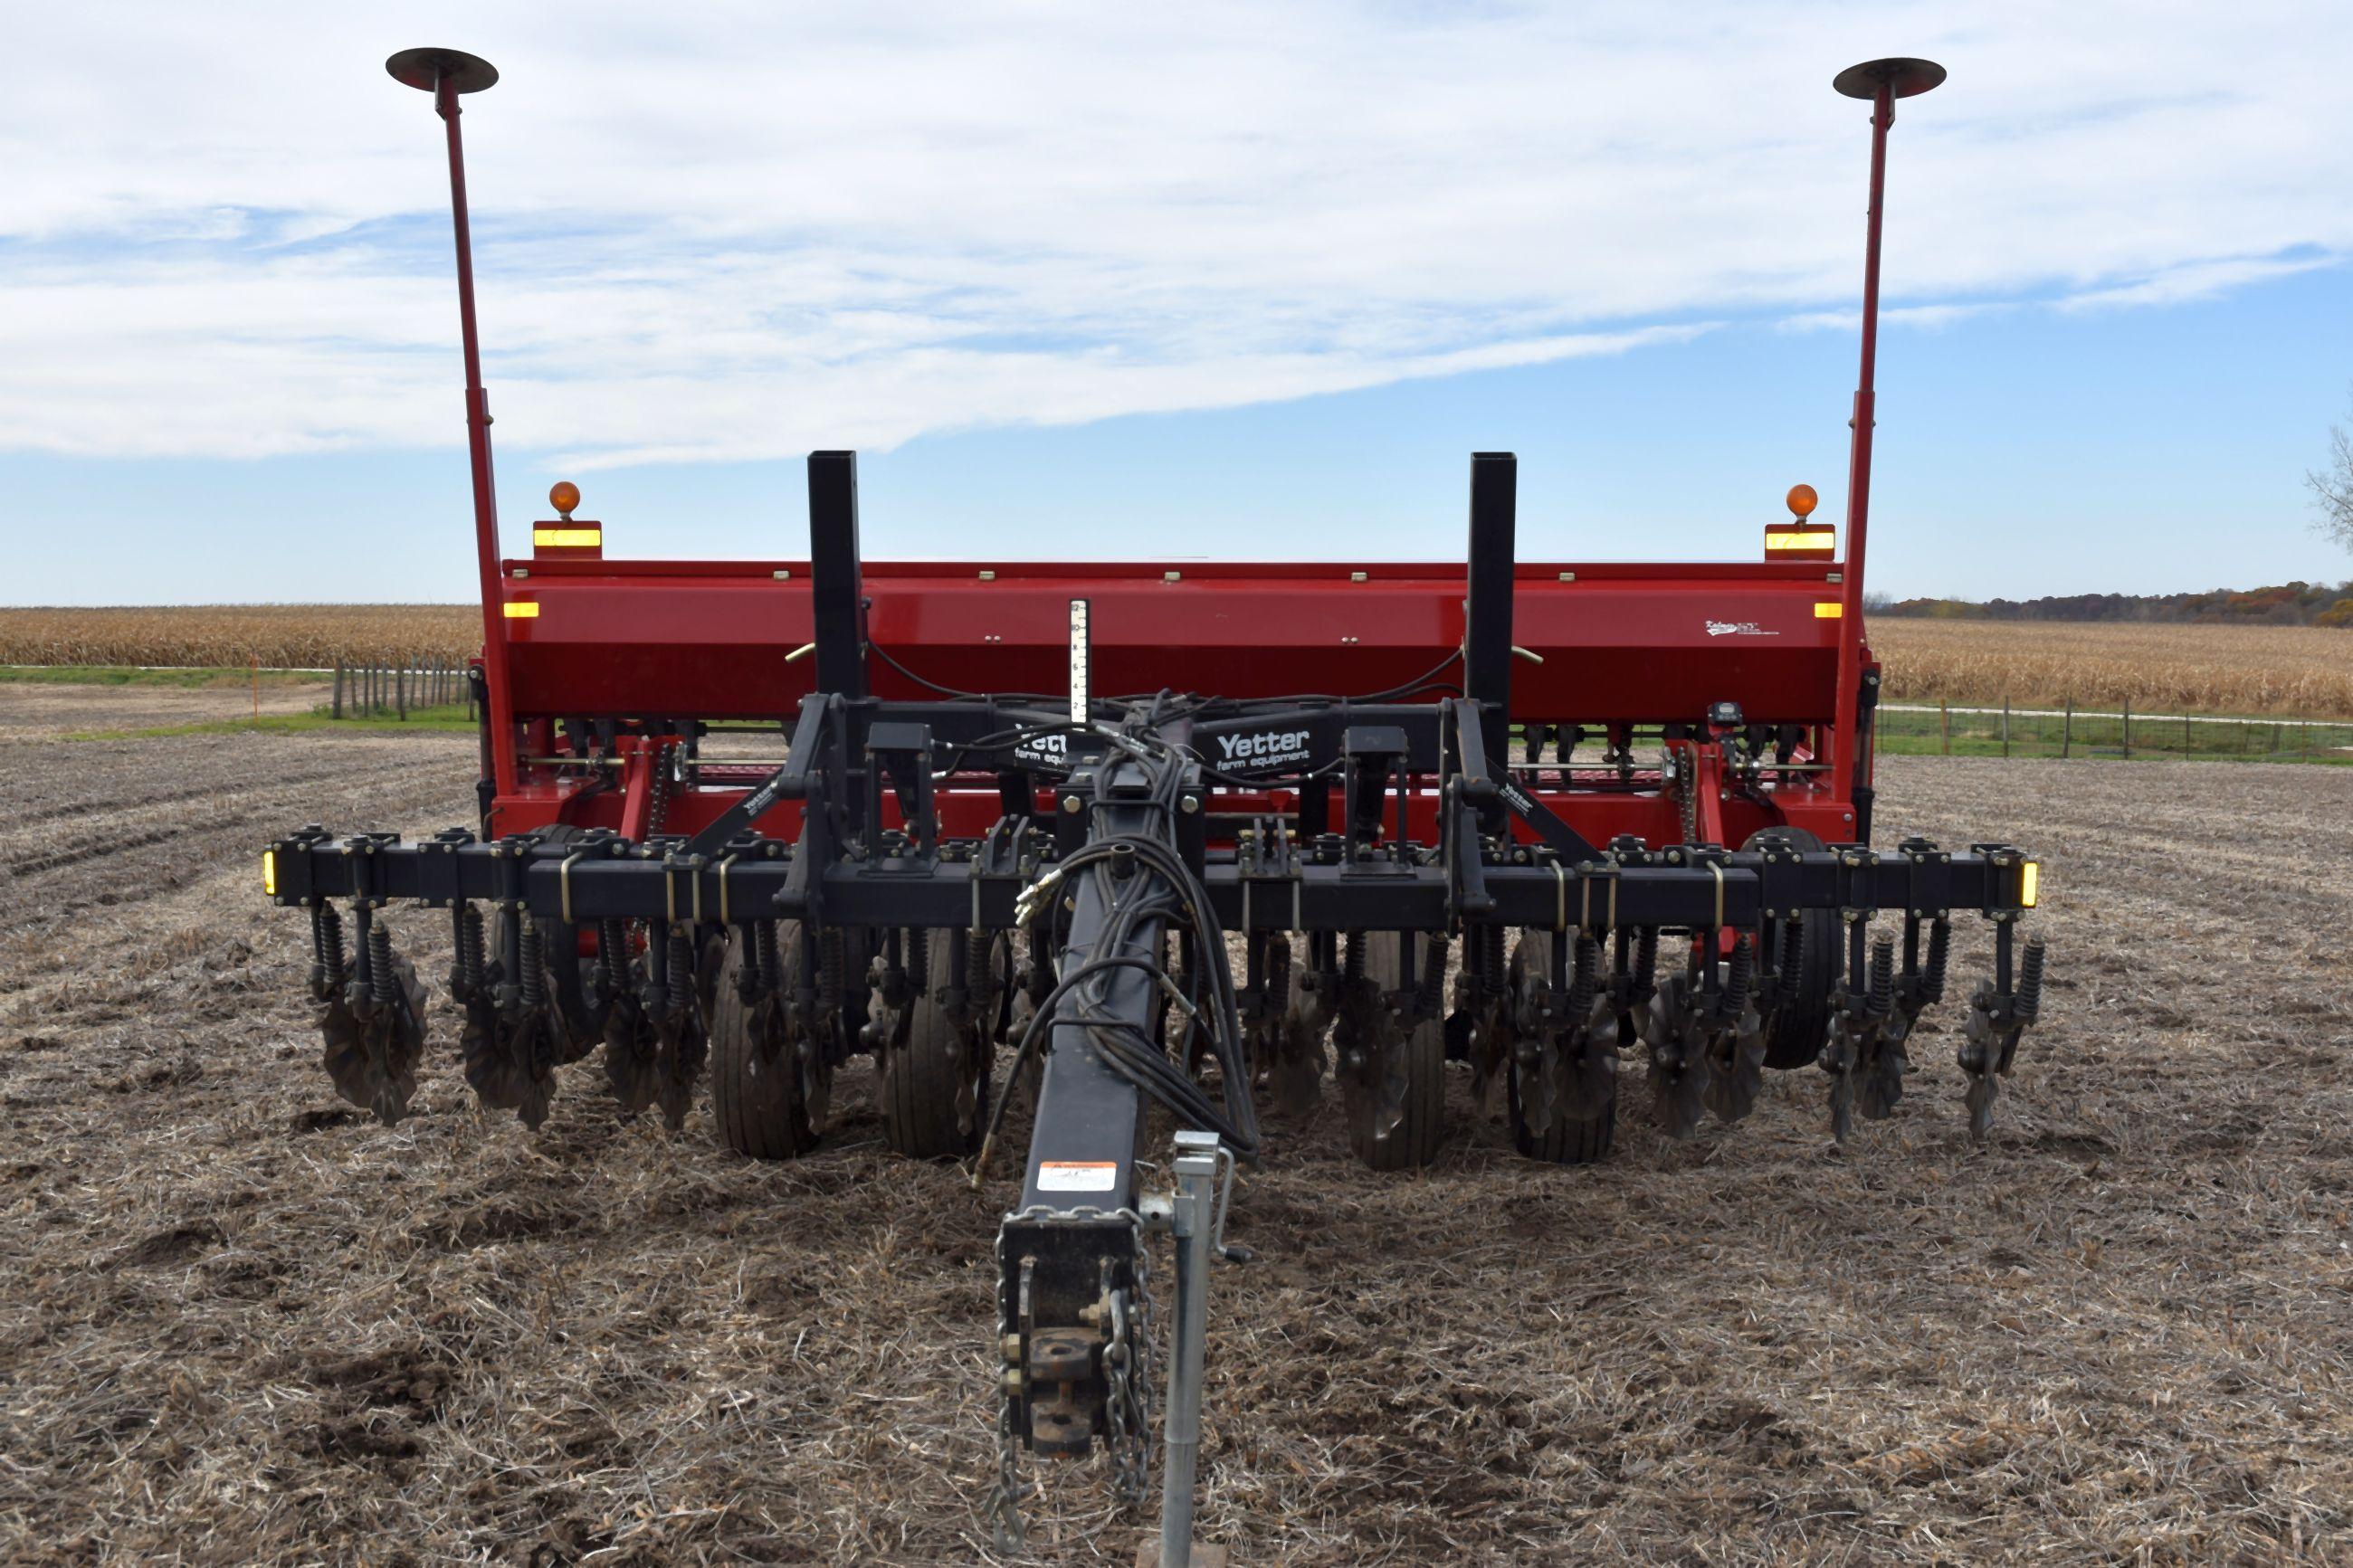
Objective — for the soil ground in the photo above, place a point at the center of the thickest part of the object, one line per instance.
(238, 1323)
(31, 712)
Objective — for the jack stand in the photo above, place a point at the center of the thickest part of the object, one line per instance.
(1197, 1219)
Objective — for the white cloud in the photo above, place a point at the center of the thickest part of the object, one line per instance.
(710, 232)
(1930, 317)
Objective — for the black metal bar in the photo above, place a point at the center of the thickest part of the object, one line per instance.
(1487, 610)
(836, 589)
(1069, 1237)
(611, 879)
(789, 781)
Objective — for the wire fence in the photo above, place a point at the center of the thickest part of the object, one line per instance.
(379, 690)
(2066, 730)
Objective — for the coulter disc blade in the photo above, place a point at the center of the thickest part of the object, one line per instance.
(510, 1066)
(679, 1050)
(1737, 1066)
(629, 1047)
(1679, 1068)
(373, 1061)
(1880, 1078)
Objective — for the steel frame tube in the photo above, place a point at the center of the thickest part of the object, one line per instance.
(1197, 1178)
(478, 451)
(1845, 741)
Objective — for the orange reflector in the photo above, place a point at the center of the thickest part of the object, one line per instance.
(1824, 609)
(1802, 500)
(568, 538)
(528, 609)
(563, 495)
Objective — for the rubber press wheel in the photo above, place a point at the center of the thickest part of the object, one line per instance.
(1421, 1051)
(762, 1109)
(1795, 1031)
(924, 1072)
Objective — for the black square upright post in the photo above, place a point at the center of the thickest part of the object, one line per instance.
(1487, 609)
(835, 587)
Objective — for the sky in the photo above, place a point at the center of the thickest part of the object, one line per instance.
(1174, 282)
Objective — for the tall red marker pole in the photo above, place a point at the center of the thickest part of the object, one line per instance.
(1882, 83)
(447, 74)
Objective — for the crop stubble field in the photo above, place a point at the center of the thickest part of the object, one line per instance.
(2291, 671)
(240, 1324)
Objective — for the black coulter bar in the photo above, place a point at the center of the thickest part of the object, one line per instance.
(610, 880)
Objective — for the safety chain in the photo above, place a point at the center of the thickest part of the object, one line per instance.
(1129, 1377)
(658, 793)
(1004, 1510)
(1128, 1367)
(1146, 1384)
(1686, 774)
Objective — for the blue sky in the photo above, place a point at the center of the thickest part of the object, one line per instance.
(1080, 284)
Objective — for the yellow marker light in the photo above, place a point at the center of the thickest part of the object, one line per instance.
(528, 609)
(1802, 500)
(1820, 539)
(1824, 609)
(2029, 884)
(269, 872)
(568, 538)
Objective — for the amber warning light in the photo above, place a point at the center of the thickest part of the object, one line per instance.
(564, 540)
(1801, 538)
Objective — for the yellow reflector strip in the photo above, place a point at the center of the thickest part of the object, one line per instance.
(2030, 883)
(1824, 609)
(528, 609)
(568, 538)
(269, 872)
(1812, 539)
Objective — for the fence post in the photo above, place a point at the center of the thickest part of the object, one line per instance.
(2187, 744)
(400, 690)
(2005, 728)
(2127, 729)
(1945, 722)
(2067, 729)
(338, 708)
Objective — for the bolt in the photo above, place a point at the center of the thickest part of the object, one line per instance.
(1071, 804)
(1190, 803)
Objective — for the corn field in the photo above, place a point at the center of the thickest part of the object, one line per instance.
(2303, 672)
(2288, 671)
(279, 636)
